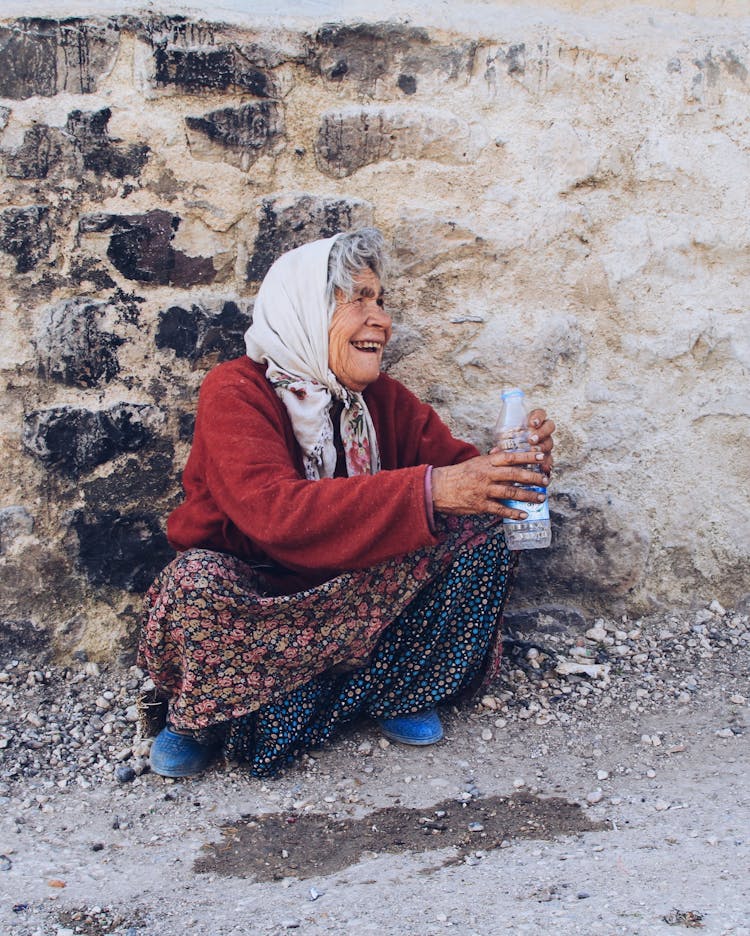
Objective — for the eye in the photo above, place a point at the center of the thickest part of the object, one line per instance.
(381, 302)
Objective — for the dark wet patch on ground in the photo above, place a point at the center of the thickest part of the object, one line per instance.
(275, 846)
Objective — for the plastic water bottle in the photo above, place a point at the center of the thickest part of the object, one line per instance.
(512, 435)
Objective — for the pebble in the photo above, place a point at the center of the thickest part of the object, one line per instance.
(595, 796)
(602, 775)
(486, 734)
(661, 805)
(124, 774)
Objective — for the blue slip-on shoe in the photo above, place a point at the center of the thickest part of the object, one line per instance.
(179, 755)
(421, 728)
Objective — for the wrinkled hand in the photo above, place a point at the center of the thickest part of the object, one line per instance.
(481, 484)
(540, 436)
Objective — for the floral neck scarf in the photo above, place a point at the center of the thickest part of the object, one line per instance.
(290, 334)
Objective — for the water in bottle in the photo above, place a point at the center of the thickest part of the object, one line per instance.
(512, 434)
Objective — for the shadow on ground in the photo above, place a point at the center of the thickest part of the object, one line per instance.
(276, 846)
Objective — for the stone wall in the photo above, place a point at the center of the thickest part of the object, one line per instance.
(567, 207)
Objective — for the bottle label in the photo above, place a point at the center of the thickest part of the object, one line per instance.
(534, 511)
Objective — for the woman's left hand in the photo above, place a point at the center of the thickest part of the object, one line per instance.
(540, 437)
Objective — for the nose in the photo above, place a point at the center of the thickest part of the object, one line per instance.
(377, 316)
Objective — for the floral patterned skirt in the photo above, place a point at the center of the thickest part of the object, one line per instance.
(408, 634)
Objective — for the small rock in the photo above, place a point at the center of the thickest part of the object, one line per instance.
(124, 774)
(717, 608)
(595, 796)
(476, 827)
(661, 805)
(602, 775)
(737, 700)
(384, 743)
(724, 733)
(486, 734)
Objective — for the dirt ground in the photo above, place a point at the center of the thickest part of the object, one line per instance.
(620, 818)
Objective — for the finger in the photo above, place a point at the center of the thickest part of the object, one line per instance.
(509, 492)
(543, 431)
(499, 458)
(536, 418)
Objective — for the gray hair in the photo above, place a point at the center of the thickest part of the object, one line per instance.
(352, 253)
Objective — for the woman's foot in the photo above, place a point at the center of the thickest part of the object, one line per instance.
(421, 728)
(180, 755)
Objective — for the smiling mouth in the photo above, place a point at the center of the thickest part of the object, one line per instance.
(371, 347)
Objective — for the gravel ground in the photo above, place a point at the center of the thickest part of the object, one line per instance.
(641, 722)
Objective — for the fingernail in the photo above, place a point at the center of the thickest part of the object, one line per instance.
(524, 516)
(539, 456)
(541, 497)
(535, 438)
(535, 423)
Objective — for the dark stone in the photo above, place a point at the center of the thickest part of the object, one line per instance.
(73, 349)
(251, 127)
(137, 481)
(121, 550)
(407, 83)
(4, 117)
(284, 226)
(218, 68)
(141, 249)
(86, 271)
(26, 235)
(186, 423)
(124, 774)
(23, 640)
(552, 619)
(99, 151)
(43, 150)
(515, 58)
(73, 441)
(197, 332)
(366, 53)
(47, 56)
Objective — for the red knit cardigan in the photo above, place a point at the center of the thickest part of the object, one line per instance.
(246, 492)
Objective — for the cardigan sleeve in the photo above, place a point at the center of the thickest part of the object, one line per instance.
(254, 478)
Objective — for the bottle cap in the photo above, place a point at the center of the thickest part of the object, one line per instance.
(511, 391)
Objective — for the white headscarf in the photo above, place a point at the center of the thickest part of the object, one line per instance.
(290, 333)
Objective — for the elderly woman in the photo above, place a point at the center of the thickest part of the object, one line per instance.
(340, 553)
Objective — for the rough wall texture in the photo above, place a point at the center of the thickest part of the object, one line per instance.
(567, 211)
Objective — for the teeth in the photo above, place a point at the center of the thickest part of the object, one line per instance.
(367, 345)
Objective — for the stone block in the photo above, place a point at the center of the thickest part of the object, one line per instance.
(23, 640)
(286, 222)
(195, 58)
(140, 247)
(242, 132)
(101, 154)
(26, 234)
(387, 57)
(72, 441)
(73, 348)
(124, 551)
(353, 137)
(203, 333)
(43, 150)
(48, 56)
(598, 553)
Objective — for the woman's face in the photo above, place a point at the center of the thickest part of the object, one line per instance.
(358, 333)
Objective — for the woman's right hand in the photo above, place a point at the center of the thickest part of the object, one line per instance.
(481, 484)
